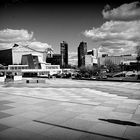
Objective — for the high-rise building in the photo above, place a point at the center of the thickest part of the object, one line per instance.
(64, 53)
(82, 51)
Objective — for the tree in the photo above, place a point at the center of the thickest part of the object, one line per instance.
(88, 71)
(138, 57)
(111, 66)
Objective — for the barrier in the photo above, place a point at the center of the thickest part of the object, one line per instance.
(35, 81)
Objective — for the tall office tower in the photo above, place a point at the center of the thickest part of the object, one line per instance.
(64, 54)
(82, 51)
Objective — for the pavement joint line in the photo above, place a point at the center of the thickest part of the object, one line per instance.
(70, 128)
(51, 99)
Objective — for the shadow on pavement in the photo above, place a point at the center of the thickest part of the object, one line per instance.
(120, 122)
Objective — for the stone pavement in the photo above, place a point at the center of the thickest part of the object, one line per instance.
(75, 110)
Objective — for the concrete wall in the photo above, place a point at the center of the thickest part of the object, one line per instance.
(17, 78)
(2, 79)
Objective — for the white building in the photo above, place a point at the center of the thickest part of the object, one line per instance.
(122, 59)
(91, 57)
(28, 61)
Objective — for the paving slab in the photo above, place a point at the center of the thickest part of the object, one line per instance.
(67, 109)
(19, 134)
(132, 133)
(58, 133)
(109, 129)
(120, 116)
(14, 121)
(3, 127)
(58, 117)
(80, 124)
(4, 115)
(35, 127)
(5, 107)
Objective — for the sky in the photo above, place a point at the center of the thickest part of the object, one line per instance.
(113, 26)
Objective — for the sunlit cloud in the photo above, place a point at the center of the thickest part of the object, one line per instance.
(10, 35)
(4, 46)
(73, 59)
(116, 36)
(121, 30)
(126, 11)
(39, 45)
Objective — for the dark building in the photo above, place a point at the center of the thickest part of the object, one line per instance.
(31, 61)
(55, 59)
(64, 54)
(6, 57)
(82, 51)
(90, 52)
(104, 55)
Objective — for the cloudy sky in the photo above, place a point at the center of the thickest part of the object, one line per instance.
(113, 26)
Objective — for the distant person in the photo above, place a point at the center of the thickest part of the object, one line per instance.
(49, 76)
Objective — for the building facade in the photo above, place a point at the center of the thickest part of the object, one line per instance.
(82, 51)
(88, 60)
(64, 54)
(19, 51)
(91, 57)
(117, 60)
(55, 59)
(93, 52)
(19, 54)
(6, 57)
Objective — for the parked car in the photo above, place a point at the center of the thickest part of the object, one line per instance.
(93, 77)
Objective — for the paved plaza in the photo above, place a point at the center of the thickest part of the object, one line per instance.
(65, 109)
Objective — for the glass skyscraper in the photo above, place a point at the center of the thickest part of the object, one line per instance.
(64, 53)
(82, 51)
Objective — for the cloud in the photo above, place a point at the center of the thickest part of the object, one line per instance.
(121, 36)
(39, 45)
(121, 30)
(4, 46)
(118, 47)
(129, 11)
(73, 59)
(10, 35)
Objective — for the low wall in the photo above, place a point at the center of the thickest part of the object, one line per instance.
(35, 81)
(2, 79)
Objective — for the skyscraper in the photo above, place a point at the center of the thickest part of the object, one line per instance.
(82, 51)
(64, 53)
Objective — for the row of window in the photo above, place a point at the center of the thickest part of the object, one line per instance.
(18, 68)
(52, 67)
